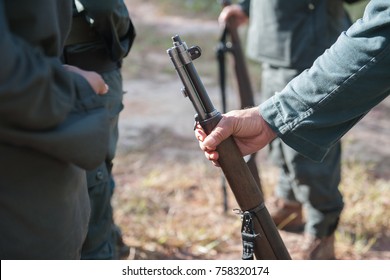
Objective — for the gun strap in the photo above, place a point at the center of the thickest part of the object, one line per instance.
(248, 234)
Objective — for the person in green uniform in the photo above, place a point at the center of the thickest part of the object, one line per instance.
(286, 37)
(314, 110)
(53, 126)
(101, 36)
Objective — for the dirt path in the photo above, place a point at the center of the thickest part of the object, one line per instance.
(154, 106)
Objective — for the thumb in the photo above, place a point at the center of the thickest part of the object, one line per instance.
(217, 135)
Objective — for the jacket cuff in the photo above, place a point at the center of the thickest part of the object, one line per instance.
(270, 112)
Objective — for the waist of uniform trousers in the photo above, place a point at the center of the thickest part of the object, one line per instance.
(97, 60)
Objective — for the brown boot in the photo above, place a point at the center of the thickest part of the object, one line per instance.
(315, 248)
(287, 215)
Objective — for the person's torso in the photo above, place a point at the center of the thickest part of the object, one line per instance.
(294, 33)
(44, 204)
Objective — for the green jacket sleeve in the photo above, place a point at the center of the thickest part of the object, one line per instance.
(28, 79)
(39, 99)
(319, 106)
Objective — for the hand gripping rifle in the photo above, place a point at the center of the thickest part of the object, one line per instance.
(244, 84)
(259, 233)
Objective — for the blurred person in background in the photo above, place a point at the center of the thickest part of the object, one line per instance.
(286, 37)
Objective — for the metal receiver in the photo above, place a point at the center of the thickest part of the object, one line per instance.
(182, 58)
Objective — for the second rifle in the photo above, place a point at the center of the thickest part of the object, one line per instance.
(230, 43)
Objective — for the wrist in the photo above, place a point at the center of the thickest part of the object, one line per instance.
(267, 132)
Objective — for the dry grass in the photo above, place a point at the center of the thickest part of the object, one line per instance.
(169, 204)
(365, 219)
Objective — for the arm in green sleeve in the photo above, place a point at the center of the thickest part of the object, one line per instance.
(40, 100)
(318, 107)
(28, 79)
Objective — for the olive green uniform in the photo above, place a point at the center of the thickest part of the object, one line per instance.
(101, 36)
(45, 146)
(286, 37)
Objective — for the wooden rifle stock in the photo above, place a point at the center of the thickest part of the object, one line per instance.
(268, 244)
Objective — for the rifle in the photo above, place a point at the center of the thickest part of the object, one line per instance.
(243, 81)
(259, 233)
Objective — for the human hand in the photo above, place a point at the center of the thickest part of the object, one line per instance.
(94, 79)
(232, 11)
(248, 128)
